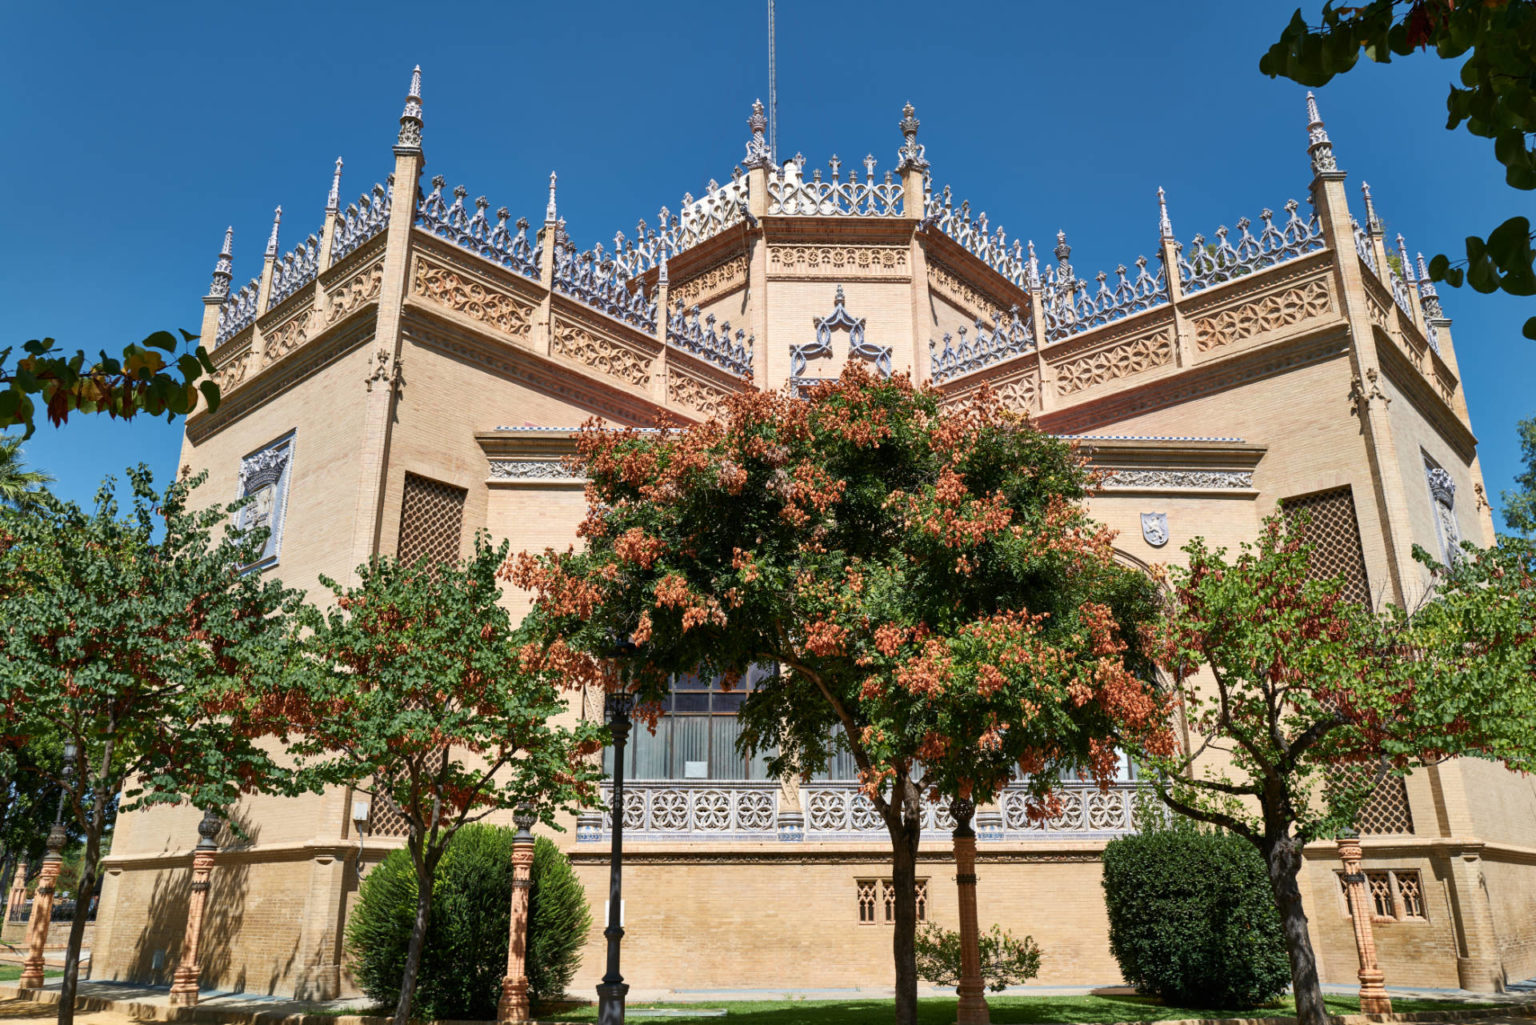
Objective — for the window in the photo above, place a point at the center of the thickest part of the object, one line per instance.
(695, 737)
(1396, 895)
(431, 520)
(264, 478)
(1334, 534)
(1442, 498)
(877, 901)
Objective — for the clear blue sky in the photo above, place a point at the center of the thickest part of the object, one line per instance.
(135, 132)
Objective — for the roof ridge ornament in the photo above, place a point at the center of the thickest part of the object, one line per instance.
(911, 155)
(333, 201)
(409, 138)
(277, 219)
(1372, 222)
(758, 154)
(1164, 225)
(1319, 147)
(224, 268)
(550, 215)
(1427, 294)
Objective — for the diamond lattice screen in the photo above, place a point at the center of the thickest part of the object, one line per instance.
(1385, 812)
(431, 520)
(1334, 534)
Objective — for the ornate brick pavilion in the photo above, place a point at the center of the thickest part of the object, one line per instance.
(412, 370)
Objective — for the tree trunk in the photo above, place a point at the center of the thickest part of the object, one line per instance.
(418, 937)
(1283, 858)
(905, 830)
(86, 892)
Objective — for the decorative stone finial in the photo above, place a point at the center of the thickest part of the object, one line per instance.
(1063, 251)
(1402, 259)
(1164, 225)
(910, 157)
(208, 828)
(223, 267)
(1034, 267)
(410, 118)
(1372, 223)
(277, 219)
(1428, 297)
(549, 210)
(524, 817)
(757, 147)
(333, 201)
(1319, 148)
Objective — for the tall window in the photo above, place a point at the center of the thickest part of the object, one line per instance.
(696, 735)
(1334, 534)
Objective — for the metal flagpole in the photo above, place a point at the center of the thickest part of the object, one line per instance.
(773, 95)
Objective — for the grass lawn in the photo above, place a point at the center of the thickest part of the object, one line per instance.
(12, 972)
(1005, 1010)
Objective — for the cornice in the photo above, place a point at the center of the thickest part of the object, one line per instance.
(1411, 384)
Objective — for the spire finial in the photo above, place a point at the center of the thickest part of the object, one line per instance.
(1319, 148)
(1372, 224)
(911, 154)
(1428, 297)
(758, 154)
(1164, 225)
(549, 210)
(1402, 258)
(410, 118)
(1034, 266)
(1063, 251)
(277, 219)
(333, 201)
(223, 267)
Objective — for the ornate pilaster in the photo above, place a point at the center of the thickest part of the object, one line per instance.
(42, 910)
(972, 1007)
(514, 1007)
(184, 984)
(1373, 996)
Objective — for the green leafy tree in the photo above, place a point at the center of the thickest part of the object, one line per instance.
(1005, 960)
(926, 580)
(142, 639)
(149, 377)
(1520, 504)
(1304, 701)
(1496, 100)
(409, 689)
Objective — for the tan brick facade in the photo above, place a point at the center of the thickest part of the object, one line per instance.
(428, 347)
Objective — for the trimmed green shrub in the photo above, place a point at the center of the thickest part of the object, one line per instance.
(1005, 961)
(1192, 918)
(465, 957)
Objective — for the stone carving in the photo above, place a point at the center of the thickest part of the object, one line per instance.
(839, 261)
(716, 809)
(717, 280)
(1154, 528)
(1267, 313)
(790, 193)
(1363, 393)
(968, 297)
(232, 372)
(1163, 480)
(451, 291)
(1133, 357)
(264, 481)
(976, 237)
(1083, 810)
(289, 335)
(690, 391)
(385, 370)
(360, 289)
(531, 469)
(1442, 490)
(602, 354)
(843, 808)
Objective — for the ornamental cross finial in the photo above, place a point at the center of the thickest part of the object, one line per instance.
(1372, 224)
(277, 219)
(333, 201)
(910, 157)
(223, 267)
(410, 118)
(1063, 251)
(1164, 225)
(1427, 294)
(1319, 148)
(757, 146)
(549, 210)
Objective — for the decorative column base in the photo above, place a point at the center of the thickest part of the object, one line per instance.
(972, 1006)
(791, 826)
(513, 1007)
(184, 988)
(1373, 995)
(610, 1002)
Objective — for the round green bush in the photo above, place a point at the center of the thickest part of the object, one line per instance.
(465, 956)
(1192, 918)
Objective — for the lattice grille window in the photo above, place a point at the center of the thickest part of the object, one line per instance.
(431, 520)
(1410, 895)
(1380, 884)
(877, 901)
(1334, 534)
(1386, 811)
(867, 901)
(385, 817)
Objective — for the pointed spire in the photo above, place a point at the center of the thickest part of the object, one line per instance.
(758, 154)
(1034, 267)
(1372, 223)
(1402, 259)
(911, 155)
(549, 210)
(410, 118)
(277, 219)
(223, 267)
(333, 201)
(1164, 225)
(1428, 297)
(1319, 148)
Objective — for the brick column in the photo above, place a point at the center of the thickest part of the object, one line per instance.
(18, 894)
(1373, 997)
(42, 910)
(514, 988)
(972, 1008)
(184, 984)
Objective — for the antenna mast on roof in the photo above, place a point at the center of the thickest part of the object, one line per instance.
(773, 96)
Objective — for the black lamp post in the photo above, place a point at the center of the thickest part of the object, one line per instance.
(611, 991)
(56, 834)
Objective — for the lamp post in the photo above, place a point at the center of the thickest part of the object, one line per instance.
(42, 906)
(971, 1005)
(611, 991)
(513, 1007)
(1373, 994)
(184, 984)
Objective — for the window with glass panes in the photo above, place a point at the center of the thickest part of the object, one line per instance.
(695, 737)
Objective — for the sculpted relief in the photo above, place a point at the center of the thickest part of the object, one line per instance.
(451, 291)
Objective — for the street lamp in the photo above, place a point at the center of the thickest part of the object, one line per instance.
(42, 904)
(611, 991)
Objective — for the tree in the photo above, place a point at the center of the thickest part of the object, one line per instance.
(925, 578)
(141, 380)
(142, 639)
(409, 689)
(1520, 504)
(19, 487)
(1497, 101)
(1304, 701)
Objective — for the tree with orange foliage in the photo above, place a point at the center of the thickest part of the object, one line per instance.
(925, 578)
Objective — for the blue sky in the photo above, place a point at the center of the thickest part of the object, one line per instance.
(135, 133)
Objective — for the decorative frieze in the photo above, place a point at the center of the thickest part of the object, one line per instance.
(289, 335)
(1266, 313)
(231, 372)
(1110, 364)
(716, 281)
(1178, 480)
(532, 469)
(839, 261)
(961, 292)
(357, 291)
(454, 292)
(685, 390)
(604, 355)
